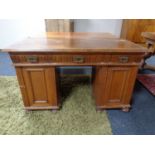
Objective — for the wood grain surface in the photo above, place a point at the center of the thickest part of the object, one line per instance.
(73, 42)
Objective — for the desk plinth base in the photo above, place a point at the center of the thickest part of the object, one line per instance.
(43, 108)
(124, 109)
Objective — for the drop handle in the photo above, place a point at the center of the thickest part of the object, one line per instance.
(123, 59)
(32, 59)
(78, 59)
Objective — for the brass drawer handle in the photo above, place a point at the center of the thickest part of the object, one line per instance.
(32, 59)
(123, 59)
(78, 59)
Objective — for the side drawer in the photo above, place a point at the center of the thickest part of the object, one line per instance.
(126, 58)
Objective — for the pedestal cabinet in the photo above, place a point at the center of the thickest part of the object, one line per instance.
(38, 86)
(114, 86)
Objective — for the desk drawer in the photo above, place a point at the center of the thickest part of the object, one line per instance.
(126, 58)
(60, 58)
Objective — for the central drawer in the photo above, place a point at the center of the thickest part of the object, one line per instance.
(60, 58)
(77, 58)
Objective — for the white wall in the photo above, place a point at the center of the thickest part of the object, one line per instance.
(99, 25)
(14, 30)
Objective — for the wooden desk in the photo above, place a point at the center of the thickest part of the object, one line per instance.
(150, 41)
(115, 61)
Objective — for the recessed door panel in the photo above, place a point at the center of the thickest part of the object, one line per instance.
(40, 87)
(117, 84)
(113, 86)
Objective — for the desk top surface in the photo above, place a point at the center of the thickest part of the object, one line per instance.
(75, 42)
(149, 35)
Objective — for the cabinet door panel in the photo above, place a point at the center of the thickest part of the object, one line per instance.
(120, 83)
(117, 83)
(40, 85)
(114, 86)
(35, 80)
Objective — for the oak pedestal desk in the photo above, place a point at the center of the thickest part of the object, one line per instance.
(115, 61)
